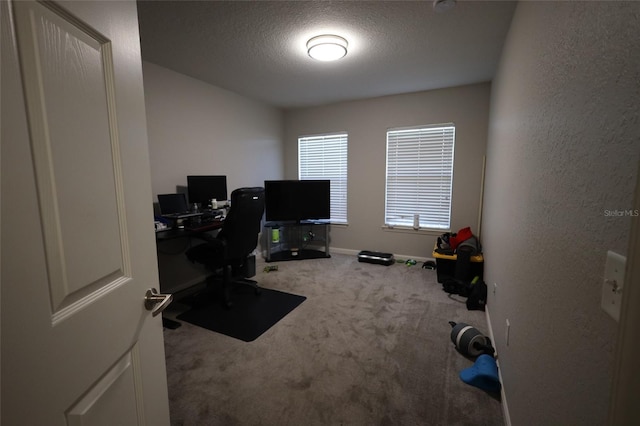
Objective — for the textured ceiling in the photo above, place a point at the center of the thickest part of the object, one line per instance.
(257, 48)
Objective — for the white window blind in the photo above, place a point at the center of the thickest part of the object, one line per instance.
(325, 157)
(420, 176)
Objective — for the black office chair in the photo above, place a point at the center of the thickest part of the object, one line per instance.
(237, 239)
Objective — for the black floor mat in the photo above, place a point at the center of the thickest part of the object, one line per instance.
(249, 317)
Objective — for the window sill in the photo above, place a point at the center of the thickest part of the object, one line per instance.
(411, 230)
(339, 225)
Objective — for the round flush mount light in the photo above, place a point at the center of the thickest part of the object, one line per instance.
(441, 6)
(327, 47)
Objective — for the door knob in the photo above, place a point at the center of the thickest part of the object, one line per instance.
(156, 302)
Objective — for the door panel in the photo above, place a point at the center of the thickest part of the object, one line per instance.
(113, 397)
(63, 61)
(78, 247)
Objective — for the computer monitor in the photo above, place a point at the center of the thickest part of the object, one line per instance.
(172, 203)
(202, 189)
(297, 200)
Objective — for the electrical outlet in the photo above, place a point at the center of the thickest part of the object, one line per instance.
(506, 333)
(495, 287)
(612, 284)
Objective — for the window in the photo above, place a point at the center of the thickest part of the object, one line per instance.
(420, 176)
(325, 157)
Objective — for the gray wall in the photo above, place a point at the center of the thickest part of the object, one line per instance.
(197, 128)
(366, 122)
(563, 148)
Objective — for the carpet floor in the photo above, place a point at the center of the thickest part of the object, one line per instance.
(370, 346)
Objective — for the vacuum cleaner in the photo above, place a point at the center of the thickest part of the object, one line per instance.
(469, 341)
(483, 374)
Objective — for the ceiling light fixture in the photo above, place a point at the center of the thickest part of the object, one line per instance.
(441, 6)
(327, 47)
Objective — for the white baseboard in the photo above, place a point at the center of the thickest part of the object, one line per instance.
(395, 255)
(503, 395)
(351, 252)
(344, 251)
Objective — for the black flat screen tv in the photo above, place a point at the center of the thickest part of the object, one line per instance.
(297, 200)
(202, 189)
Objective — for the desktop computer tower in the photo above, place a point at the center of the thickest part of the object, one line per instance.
(249, 267)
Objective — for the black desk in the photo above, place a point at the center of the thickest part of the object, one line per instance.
(188, 230)
(175, 272)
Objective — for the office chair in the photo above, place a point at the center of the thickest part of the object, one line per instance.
(231, 247)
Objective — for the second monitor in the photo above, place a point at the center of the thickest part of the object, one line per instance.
(202, 189)
(297, 200)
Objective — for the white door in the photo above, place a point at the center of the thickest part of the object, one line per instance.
(78, 250)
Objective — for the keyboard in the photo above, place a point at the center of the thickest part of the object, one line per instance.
(181, 215)
(205, 223)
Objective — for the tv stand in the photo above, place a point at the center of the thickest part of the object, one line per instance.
(296, 240)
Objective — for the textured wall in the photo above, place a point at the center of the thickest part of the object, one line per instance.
(366, 122)
(197, 128)
(562, 150)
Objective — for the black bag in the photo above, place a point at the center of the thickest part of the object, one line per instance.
(477, 298)
(454, 286)
(471, 245)
(463, 266)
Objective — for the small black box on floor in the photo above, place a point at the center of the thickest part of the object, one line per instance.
(375, 257)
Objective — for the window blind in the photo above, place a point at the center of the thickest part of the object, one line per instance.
(420, 176)
(325, 157)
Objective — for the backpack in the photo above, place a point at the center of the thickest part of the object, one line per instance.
(453, 286)
(475, 292)
(477, 298)
(471, 245)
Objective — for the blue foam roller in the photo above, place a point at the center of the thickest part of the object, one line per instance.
(482, 374)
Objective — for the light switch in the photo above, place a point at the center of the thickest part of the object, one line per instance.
(612, 284)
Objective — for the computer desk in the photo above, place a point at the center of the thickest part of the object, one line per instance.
(175, 272)
(188, 230)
